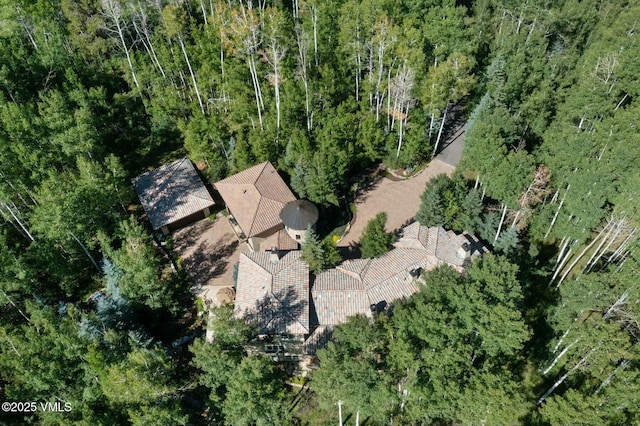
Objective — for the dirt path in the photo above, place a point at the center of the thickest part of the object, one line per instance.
(399, 199)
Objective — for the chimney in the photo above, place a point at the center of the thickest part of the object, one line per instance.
(463, 251)
(274, 255)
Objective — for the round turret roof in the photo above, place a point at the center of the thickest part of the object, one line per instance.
(299, 214)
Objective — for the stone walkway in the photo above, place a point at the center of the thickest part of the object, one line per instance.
(399, 199)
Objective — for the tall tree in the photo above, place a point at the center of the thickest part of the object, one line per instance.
(375, 240)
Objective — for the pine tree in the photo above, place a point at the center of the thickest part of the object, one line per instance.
(331, 255)
(313, 251)
(431, 211)
(375, 240)
(319, 254)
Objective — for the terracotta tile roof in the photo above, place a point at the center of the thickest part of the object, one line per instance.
(285, 242)
(354, 285)
(281, 240)
(274, 296)
(171, 192)
(255, 197)
(338, 295)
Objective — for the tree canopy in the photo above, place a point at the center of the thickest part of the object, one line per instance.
(96, 312)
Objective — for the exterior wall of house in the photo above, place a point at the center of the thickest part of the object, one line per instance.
(185, 221)
(280, 347)
(298, 235)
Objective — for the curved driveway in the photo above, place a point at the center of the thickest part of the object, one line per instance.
(401, 199)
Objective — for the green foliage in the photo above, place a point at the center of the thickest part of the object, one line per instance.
(319, 254)
(313, 252)
(447, 202)
(142, 279)
(444, 355)
(229, 331)
(478, 328)
(556, 85)
(256, 395)
(507, 242)
(375, 241)
(352, 371)
(331, 254)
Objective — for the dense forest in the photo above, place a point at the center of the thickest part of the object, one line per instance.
(543, 331)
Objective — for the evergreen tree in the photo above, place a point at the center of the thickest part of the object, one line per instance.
(313, 251)
(375, 241)
(431, 211)
(319, 254)
(331, 254)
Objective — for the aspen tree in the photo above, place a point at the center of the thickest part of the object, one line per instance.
(113, 13)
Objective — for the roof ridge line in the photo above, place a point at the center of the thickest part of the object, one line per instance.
(171, 169)
(260, 266)
(255, 215)
(307, 327)
(191, 194)
(264, 166)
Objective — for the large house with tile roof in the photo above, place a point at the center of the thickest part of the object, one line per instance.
(355, 287)
(255, 197)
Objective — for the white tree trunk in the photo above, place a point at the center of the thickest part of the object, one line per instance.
(444, 118)
(142, 16)
(577, 259)
(606, 381)
(113, 12)
(276, 56)
(563, 378)
(15, 217)
(193, 77)
(622, 246)
(563, 245)
(560, 355)
(559, 267)
(619, 229)
(302, 65)
(84, 249)
(256, 89)
(555, 216)
(504, 212)
(314, 18)
(15, 306)
(399, 138)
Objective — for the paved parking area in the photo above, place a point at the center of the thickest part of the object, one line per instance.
(209, 250)
(399, 199)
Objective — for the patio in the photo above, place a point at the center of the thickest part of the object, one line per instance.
(209, 249)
